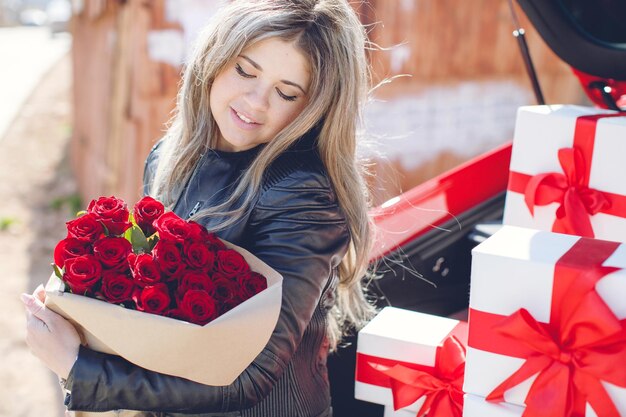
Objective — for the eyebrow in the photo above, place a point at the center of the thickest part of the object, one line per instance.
(258, 67)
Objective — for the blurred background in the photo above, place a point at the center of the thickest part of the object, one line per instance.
(87, 85)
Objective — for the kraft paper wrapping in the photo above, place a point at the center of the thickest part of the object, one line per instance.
(214, 354)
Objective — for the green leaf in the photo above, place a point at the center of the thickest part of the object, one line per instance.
(152, 241)
(128, 234)
(80, 213)
(57, 271)
(138, 240)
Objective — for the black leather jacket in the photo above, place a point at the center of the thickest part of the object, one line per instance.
(297, 228)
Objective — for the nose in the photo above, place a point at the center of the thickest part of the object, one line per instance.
(258, 97)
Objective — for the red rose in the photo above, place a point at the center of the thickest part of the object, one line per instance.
(82, 274)
(171, 227)
(112, 252)
(117, 287)
(199, 256)
(152, 298)
(212, 241)
(251, 283)
(199, 233)
(226, 293)
(231, 263)
(70, 248)
(198, 307)
(86, 227)
(195, 280)
(112, 212)
(145, 269)
(146, 211)
(169, 258)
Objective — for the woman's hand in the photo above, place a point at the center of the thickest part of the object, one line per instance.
(50, 337)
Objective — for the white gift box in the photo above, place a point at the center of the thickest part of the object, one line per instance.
(213, 354)
(475, 406)
(514, 269)
(540, 132)
(402, 336)
(390, 412)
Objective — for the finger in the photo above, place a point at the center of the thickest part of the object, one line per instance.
(36, 307)
(35, 324)
(40, 293)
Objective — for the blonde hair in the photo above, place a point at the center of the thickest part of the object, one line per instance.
(332, 37)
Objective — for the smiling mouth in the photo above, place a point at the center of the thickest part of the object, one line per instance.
(244, 118)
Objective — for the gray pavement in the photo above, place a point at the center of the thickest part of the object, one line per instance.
(35, 86)
(26, 54)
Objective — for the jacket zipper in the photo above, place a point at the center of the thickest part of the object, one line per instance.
(194, 210)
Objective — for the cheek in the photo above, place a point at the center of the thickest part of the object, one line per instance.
(220, 91)
(289, 112)
(215, 97)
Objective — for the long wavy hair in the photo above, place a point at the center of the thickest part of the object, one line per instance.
(331, 36)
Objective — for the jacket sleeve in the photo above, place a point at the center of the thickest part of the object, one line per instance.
(296, 229)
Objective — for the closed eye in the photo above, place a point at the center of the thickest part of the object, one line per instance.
(244, 74)
(286, 97)
(241, 72)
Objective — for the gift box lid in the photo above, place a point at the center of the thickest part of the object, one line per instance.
(548, 128)
(515, 266)
(408, 336)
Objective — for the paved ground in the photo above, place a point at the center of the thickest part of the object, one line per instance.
(27, 53)
(34, 178)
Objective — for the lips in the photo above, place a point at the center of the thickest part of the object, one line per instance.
(243, 121)
(245, 118)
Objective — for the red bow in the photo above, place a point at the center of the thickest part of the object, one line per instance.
(583, 345)
(577, 200)
(443, 387)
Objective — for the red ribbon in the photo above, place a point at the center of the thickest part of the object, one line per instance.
(442, 386)
(571, 188)
(583, 344)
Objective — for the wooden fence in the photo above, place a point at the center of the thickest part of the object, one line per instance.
(127, 59)
(122, 97)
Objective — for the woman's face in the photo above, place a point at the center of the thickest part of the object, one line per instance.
(259, 93)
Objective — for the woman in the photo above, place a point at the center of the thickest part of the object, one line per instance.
(262, 151)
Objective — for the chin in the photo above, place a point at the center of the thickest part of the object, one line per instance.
(238, 145)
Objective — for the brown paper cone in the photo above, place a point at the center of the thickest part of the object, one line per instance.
(214, 354)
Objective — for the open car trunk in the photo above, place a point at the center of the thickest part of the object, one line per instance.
(428, 267)
(427, 233)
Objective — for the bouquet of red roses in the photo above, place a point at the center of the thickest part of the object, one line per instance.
(152, 261)
(213, 305)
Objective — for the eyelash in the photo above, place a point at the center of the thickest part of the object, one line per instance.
(244, 74)
(285, 97)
